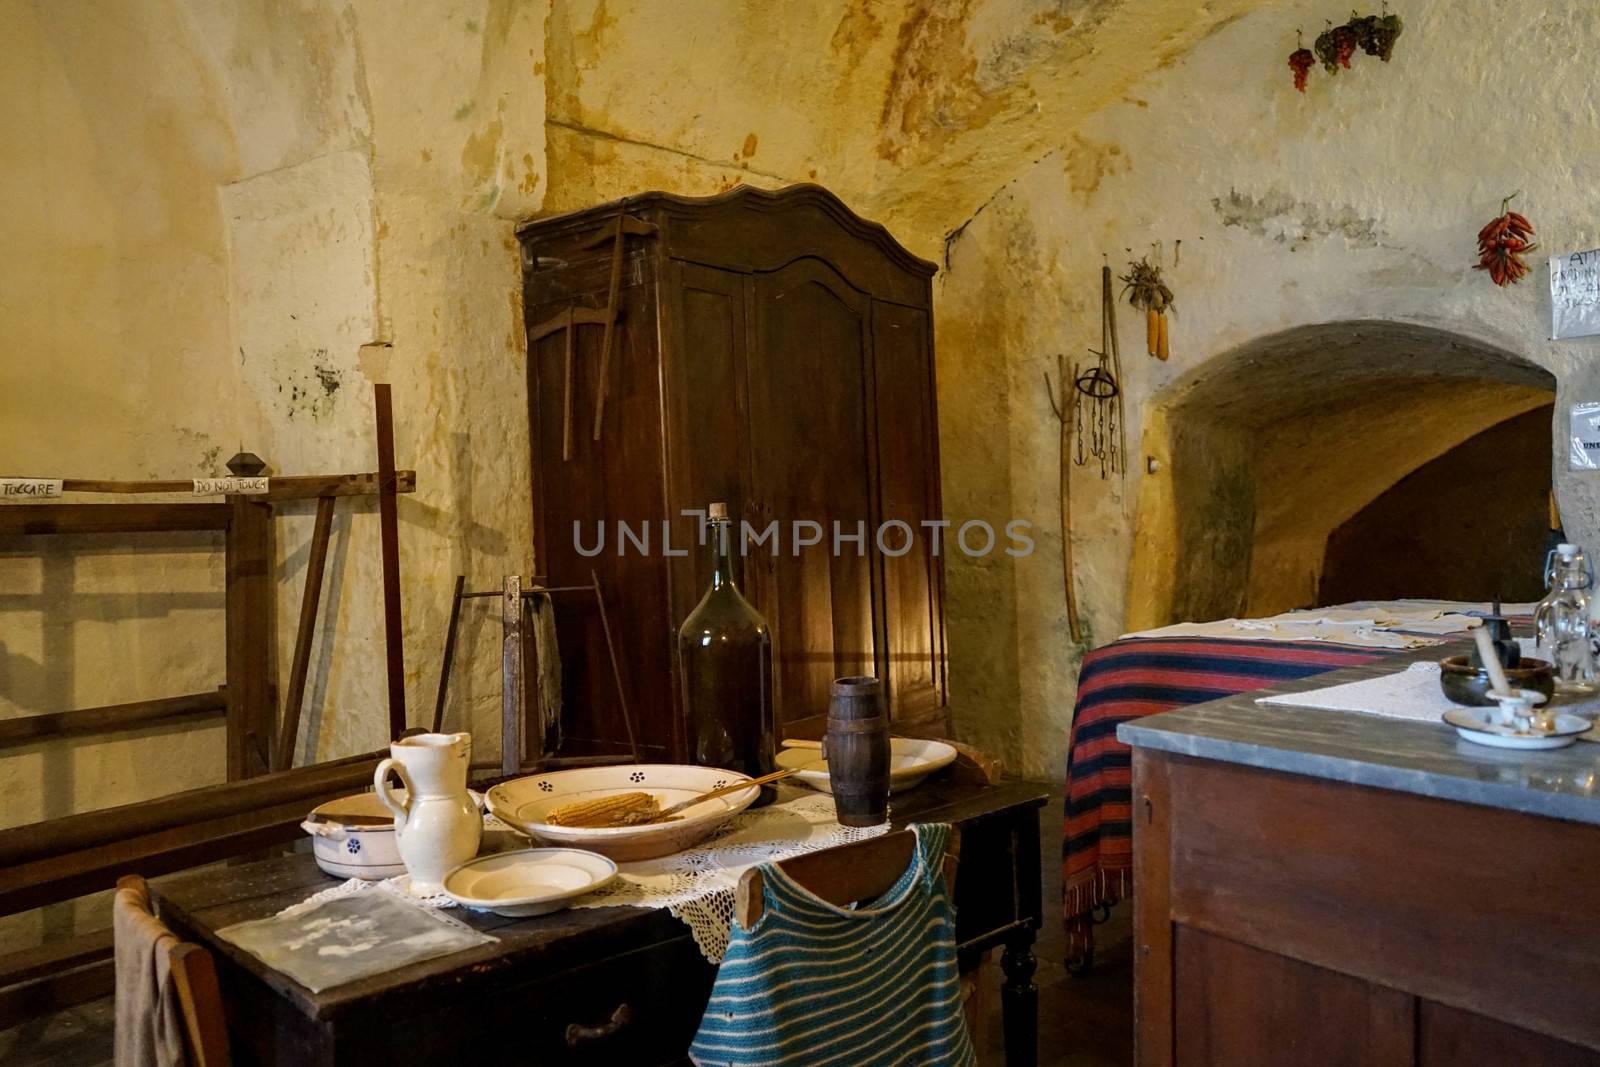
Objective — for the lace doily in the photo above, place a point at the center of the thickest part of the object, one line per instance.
(695, 885)
(399, 885)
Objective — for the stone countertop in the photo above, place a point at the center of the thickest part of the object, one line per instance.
(1371, 750)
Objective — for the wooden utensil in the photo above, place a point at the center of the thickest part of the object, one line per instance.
(1491, 663)
(736, 787)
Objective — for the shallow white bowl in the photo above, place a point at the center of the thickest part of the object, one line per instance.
(530, 881)
(525, 802)
(911, 761)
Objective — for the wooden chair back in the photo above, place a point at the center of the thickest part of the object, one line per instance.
(846, 874)
(194, 977)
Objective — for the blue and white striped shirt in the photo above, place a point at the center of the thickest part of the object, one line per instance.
(817, 984)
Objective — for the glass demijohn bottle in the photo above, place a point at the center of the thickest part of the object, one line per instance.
(725, 668)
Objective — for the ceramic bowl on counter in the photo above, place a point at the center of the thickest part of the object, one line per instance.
(911, 761)
(1463, 683)
(363, 848)
(524, 803)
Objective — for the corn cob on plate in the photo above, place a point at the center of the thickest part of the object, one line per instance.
(544, 806)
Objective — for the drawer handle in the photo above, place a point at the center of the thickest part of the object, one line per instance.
(577, 1033)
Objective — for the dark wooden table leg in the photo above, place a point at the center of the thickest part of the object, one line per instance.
(1019, 1001)
(1019, 997)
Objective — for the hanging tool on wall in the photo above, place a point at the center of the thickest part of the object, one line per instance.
(626, 224)
(569, 320)
(1101, 386)
(1061, 404)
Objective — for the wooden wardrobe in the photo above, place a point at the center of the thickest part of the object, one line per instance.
(774, 351)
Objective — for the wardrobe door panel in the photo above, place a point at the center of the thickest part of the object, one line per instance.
(813, 453)
(616, 479)
(908, 477)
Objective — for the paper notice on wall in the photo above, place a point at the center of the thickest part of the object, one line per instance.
(1584, 433)
(29, 488)
(1575, 294)
(229, 486)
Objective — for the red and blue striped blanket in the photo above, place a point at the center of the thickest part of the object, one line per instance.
(1129, 679)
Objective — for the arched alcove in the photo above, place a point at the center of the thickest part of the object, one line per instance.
(1267, 449)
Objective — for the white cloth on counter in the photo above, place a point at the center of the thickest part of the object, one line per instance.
(1412, 694)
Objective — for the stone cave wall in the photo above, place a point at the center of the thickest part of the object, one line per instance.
(1270, 210)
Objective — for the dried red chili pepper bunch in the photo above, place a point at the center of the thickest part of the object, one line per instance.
(1373, 34)
(1301, 61)
(1503, 243)
(1335, 45)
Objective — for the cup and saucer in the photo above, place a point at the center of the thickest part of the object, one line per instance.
(1517, 721)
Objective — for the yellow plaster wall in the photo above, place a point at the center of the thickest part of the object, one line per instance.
(115, 329)
(224, 220)
(1357, 201)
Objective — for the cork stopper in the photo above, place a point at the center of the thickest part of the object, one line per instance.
(717, 511)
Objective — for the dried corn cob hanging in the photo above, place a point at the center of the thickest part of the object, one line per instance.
(622, 809)
(1146, 291)
(1503, 243)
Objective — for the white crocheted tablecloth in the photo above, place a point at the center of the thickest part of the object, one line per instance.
(697, 884)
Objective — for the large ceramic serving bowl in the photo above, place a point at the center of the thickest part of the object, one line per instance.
(524, 803)
(365, 849)
(911, 761)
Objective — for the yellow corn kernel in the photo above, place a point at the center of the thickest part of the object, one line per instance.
(605, 811)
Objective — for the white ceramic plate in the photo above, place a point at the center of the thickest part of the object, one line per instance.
(1475, 724)
(530, 881)
(911, 761)
(525, 802)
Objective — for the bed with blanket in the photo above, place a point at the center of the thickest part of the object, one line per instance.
(1155, 671)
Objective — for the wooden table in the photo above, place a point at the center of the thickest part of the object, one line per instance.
(624, 984)
(1337, 888)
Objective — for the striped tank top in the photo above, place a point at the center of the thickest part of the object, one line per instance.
(867, 986)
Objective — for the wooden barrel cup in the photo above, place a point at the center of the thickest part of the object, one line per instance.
(856, 747)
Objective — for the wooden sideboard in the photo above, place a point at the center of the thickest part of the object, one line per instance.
(774, 351)
(1285, 919)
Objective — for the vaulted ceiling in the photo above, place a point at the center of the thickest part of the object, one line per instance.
(917, 111)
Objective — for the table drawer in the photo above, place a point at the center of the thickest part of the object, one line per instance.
(642, 1007)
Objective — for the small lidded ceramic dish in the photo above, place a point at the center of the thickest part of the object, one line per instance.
(363, 847)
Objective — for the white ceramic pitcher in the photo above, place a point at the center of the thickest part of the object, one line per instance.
(438, 826)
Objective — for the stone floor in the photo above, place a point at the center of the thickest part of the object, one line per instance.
(1083, 1022)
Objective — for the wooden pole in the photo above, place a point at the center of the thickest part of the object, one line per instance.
(136, 715)
(389, 531)
(1064, 408)
(449, 654)
(249, 635)
(616, 666)
(292, 487)
(310, 600)
(107, 826)
(513, 691)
